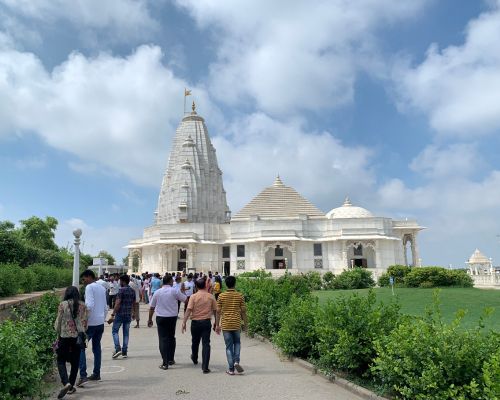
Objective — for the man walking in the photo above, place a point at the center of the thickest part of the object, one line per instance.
(95, 301)
(114, 287)
(164, 304)
(201, 307)
(122, 316)
(231, 310)
(136, 285)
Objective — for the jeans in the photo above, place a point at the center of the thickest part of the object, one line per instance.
(68, 351)
(118, 322)
(200, 330)
(233, 346)
(94, 334)
(166, 337)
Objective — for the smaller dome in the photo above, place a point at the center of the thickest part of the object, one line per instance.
(478, 258)
(188, 142)
(349, 211)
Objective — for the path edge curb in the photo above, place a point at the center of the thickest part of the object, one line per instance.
(344, 383)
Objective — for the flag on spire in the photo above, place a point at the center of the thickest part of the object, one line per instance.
(187, 92)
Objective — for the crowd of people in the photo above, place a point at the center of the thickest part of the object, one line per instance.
(83, 313)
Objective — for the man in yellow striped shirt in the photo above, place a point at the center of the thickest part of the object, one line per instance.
(231, 310)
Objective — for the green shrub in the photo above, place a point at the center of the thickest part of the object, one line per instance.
(328, 280)
(398, 272)
(9, 279)
(297, 336)
(48, 277)
(260, 273)
(357, 278)
(437, 277)
(267, 299)
(347, 329)
(25, 349)
(27, 280)
(424, 358)
(314, 280)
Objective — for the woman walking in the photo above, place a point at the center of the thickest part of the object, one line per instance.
(71, 320)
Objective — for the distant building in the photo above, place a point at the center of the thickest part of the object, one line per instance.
(279, 229)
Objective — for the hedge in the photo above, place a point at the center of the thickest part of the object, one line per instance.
(426, 277)
(25, 349)
(14, 279)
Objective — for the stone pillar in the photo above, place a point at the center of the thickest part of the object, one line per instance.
(378, 258)
(404, 251)
(130, 262)
(76, 259)
(415, 252)
(344, 256)
(414, 259)
(294, 258)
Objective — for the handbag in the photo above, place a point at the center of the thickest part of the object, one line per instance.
(81, 340)
(55, 345)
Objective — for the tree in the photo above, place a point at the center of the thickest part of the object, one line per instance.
(40, 233)
(107, 256)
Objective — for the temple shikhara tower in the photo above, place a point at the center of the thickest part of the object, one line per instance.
(278, 230)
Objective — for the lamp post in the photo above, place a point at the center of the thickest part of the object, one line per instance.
(77, 233)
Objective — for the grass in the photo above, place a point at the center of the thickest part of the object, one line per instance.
(415, 301)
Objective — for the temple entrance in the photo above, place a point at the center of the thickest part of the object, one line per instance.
(182, 260)
(278, 258)
(359, 262)
(227, 268)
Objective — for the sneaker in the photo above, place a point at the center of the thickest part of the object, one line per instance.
(171, 362)
(238, 368)
(82, 382)
(195, 362)
(206, 371)
(64, 391)
(116, 354)
(229, 372)
(164, 367)
(124, 355)
(72, 390)
(94, 378)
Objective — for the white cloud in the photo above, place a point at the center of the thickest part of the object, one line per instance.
(113, 112)
(456, 160)
(289, 56)
(36, 162)
(121, 19)
(458, 87)
(317, 164)
(94, 239)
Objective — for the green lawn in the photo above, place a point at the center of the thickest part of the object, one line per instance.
(414, 302)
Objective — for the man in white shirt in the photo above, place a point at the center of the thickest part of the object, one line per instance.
(189, 285)
(113, 290)
(164, 304)
(95, 300)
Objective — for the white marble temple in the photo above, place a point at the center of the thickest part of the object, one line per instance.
(279, 229)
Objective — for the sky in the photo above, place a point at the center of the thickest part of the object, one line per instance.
(395, 103)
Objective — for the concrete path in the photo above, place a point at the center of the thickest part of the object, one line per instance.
(138, 377)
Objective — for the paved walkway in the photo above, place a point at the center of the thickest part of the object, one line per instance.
(138, 377)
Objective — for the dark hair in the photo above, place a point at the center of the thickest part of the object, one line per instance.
(73, 294)
(88, 273)
(201, 283)
(125, 278)
(167, 279)
(190, 275)
(230, 282)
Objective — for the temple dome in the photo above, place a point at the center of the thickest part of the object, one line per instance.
(347, 210)
(279, 201)
(478, 258)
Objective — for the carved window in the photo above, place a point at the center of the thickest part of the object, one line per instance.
(240, 250)
(278, 251)
(358, 251)
(240, 264)
(182, 254)
(226, 251)
(318, 263)
(318, 249)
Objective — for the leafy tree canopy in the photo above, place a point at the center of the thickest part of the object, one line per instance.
(40, 233)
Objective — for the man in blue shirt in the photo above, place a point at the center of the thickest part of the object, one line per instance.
(155, 283)
(122, 316)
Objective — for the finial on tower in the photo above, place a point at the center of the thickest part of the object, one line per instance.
(347, 201)
(193, 107)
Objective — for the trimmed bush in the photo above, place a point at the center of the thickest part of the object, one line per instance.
(357, 278)
(297, 335)
(398, 272)
(9, 279)
(260, 273)
(328, 280)
(424, 358)
(314, 280)
(347, 329)
(437, 277)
